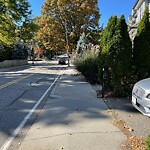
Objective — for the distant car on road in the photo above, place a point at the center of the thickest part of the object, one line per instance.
(141, 96)
(62, 61)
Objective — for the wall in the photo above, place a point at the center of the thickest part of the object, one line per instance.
(13, 63)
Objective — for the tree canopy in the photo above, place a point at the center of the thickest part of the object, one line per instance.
(66, 17)
(12, 14)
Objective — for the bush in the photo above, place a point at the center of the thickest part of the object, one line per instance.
(87, 64)
(12, 52)
(5, 52)
(19, 51)
(148, 143)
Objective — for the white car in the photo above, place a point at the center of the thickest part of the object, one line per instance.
(141, 96)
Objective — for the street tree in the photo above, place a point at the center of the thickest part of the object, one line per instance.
(64, 20)
(27, 30)
(12, 14)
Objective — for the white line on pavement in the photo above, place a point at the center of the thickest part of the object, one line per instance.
(21, 125)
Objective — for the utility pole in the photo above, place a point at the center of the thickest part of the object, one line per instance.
(67, 46)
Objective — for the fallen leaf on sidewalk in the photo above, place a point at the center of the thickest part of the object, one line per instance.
(135, 143)
(131, 130)
(109, 111)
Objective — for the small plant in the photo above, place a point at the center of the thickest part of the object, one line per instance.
(148, 143)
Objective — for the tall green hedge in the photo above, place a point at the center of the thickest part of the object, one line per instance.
(142, 47)
(105, 43)
(19, 51)
(13, 52)
(5, 52)
(116, 56)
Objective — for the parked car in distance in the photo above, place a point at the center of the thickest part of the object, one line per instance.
(62, 61)
(141, 96)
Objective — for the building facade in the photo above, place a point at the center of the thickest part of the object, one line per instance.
(136, 16)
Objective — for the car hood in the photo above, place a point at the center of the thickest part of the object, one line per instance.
(144, 84)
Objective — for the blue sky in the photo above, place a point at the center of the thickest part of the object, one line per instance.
(107, 8)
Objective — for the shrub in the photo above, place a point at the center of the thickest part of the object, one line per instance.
(12, 52)
(19, 51)
(1, 53)
(5, 52)
(87, 64)
(148, 143)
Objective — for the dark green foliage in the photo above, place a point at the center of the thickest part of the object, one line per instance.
(19, 51)
(116, 56)
(13, 52)
(148, 143)
(109, 31)
(105, 43)
(5, 52)
(142, 47)
(88, 66)
(121, 54)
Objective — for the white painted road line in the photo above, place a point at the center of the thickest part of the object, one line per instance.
(21, 125)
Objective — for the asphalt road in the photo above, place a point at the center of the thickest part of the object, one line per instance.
(20, 89)
(132, 117)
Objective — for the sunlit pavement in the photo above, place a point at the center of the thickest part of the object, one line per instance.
(73, 119)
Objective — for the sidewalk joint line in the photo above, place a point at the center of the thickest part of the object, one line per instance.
(99, 132)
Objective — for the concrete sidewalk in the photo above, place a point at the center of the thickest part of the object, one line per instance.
(73, 119)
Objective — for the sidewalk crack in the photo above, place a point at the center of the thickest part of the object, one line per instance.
(74, 133)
